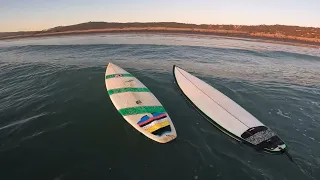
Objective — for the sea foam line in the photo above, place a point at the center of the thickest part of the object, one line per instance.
(22, 121)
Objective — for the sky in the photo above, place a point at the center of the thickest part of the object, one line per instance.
(27, 15)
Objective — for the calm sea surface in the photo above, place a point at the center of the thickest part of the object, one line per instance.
(57, 121)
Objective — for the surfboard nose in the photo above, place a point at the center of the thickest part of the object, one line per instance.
(109, 64)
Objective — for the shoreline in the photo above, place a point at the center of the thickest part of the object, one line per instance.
(268, 38)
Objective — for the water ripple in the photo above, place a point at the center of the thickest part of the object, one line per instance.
(22, 121)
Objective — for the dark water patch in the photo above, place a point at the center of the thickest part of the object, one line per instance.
(297, 56)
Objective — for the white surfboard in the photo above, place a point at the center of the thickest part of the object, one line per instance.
(138, 105)
(227, 115)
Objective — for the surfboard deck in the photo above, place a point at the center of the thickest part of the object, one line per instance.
(138, 106)
(225, 114)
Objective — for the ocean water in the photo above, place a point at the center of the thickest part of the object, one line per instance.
(57, 121)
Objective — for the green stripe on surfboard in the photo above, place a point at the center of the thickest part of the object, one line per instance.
(141, 110)
(122, 75)
(120, 90)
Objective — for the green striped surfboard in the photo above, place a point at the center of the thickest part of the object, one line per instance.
(138, 106)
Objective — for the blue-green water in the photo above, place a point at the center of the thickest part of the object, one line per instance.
(57, 121)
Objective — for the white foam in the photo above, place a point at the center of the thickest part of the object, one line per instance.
(22, 121)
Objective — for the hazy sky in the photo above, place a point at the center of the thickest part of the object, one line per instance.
(16, 15)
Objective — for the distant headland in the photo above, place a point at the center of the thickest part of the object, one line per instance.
(283, 33)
